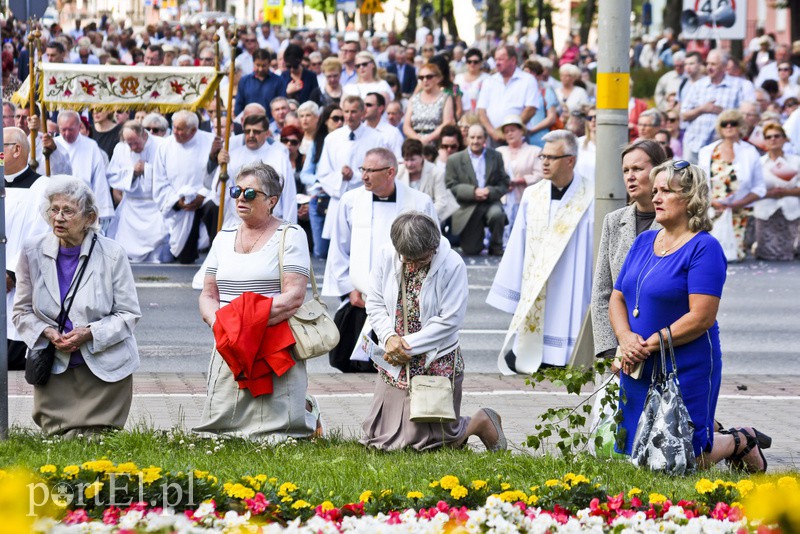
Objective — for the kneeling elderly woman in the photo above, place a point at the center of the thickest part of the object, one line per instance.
(435, 281)
(91, 386)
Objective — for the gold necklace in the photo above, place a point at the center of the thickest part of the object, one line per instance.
(241, 238)
(678, 242)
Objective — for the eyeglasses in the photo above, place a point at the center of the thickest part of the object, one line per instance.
(591, 118)
(293, 142)
(364, 170)
(67, 213)
(548, 157)
(474, 61)
(349, 50)
(209, 59)
(360, 65)
(425, 77)
(337, 118)
(249, 193)
(251, 131)
(153, 129)
(369, 104)
(784, 69)
(429, 50)
(672, 119)
(315, 63)
(644, 125)
(727, 124)
(771, 137)
(448, 146)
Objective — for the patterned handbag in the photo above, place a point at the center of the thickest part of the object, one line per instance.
(663, 439)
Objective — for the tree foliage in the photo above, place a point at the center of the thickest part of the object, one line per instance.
(325, 6)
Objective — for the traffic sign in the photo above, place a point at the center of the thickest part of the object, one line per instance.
(25, 9)
(370, 7)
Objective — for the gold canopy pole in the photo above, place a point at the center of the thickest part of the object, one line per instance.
(217, 97)
(223, 170)
(43, 119)
(32, 38)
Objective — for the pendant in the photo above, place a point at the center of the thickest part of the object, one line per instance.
(636, 311)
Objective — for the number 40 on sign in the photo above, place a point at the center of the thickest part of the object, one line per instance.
(370, 7)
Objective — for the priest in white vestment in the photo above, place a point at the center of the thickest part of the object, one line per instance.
(138, 224)
(545, 275)
(179, 187)
(88, 161)
(24, 195)
(59, 162)
(361, 229)
(344, 150)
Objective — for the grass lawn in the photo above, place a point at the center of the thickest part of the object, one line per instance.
(335, 469)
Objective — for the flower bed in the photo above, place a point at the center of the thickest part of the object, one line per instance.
(101, 496)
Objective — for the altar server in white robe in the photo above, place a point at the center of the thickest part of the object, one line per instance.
(342, 153)
(373, 117)
(179, 187)
(361, 229)
(88, 161)
(545, 275)
(138, 224)
(24, 195)
(255, 149)
(59, 162)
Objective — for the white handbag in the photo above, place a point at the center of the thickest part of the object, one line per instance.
(431, 397)
(313, 329)
(723, 231)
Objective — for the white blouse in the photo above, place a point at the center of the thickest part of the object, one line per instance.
(766, 207)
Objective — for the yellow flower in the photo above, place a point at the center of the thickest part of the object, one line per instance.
(252, 482)
(434, 484)
(414, 495)
(458, 492)
(657, 498)
(552, 482)
(633, 492)
(385, 493)
(533, 499)
(238, 491)
(327, 505)
(287, 499)
(744, 487)
(286, 488)
(200, 474)
(100, 466)
(71, 471)
(505, 485)
(92, 489)
(261, 478)
(366, 496)
(273, 480)
(513, 496)
(150, 474)
(478, 484)
(787, 483)
(449, 482)
(127, 468)
(573, 479)
(704, 486)
(48, 469)
(301, 504)
(212, 479)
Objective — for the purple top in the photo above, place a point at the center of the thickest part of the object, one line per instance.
(66, 265)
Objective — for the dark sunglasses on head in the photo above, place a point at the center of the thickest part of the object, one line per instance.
(293, 142)
(726, 124)
(680, 165)
(337, 118)
(249, 193)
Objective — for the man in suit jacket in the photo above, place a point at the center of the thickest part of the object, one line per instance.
(477, 178)
(405, 72)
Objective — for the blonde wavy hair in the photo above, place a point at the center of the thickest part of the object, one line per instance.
(692, 184)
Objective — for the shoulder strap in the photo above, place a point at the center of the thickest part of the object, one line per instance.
(76, 282)
(281, 251)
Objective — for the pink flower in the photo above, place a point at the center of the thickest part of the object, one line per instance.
(594, 505)
(111, 80)
(460, 514)
(140, 506)
(636, 502)
(442, 507)
(616, 502)
(75, 517)
(258, 504)
(111, 515)
(394, 518)
(155, 94)
(67, 93)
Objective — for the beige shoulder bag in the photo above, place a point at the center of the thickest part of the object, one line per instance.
(314, 332)
(431, 396)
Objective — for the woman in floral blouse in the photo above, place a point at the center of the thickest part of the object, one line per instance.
(436, 291)
(734, 170)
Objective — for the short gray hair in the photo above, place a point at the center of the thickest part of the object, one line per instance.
(655, 114)
(386, 156)
(187, 117)
(77, 191)
(155, 120)
(309, 106)
(564, 136)
(69, 114)
(415, 235)
(269, 181)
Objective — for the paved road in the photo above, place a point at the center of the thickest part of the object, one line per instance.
(759, 320)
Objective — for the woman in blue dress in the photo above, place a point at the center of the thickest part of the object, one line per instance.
(673, 278)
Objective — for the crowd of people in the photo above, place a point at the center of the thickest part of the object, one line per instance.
(336, 137)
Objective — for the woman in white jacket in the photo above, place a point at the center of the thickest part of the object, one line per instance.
(432, 279)
(734, 172)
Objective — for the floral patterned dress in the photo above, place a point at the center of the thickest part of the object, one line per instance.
(441, 366)
(723, 184)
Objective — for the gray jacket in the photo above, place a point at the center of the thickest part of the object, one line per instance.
(619, 233)
(106, 301)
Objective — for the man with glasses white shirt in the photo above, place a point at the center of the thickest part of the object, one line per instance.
(545, 276)
(375, 105)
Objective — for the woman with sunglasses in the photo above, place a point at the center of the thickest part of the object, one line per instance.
(430, 108)
(672, 124)
(587, 146)
(777, 215)
(734, 171)
(671, 283)
(786, 87)
(331, 118)
(245, 259)
(368, 79)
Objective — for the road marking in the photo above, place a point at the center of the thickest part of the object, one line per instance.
(162, 285)
(496, 393)
(483, 332)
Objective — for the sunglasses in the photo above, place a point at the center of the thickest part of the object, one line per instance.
(425, 77)
(249, 193)
(369, 105)
(784, 69)
(474, 61)
(727, 124)
(153, 129)
(591, 118)
(672, 119)
(449, 147)
(680, 165)
(771, 137)
(253, 132)
(293, 142)
(337, 118)
(360, 65)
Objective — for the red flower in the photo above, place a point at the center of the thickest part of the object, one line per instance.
(111, 80)
(111, 515)
(616, 502)
(52, 80)
(87, 87)
(155, 94)
(442, 507)
(203, 80)
(636, 502)
(394, 518)
(353, 509)
(177, 87)
(258, 504)
(75, 517)
(67, 93)
(140, 506)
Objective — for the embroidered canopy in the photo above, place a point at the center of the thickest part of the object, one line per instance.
(110, 87)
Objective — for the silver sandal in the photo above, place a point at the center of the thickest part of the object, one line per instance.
(501, 444)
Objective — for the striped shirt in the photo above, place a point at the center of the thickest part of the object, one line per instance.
(728, 94)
